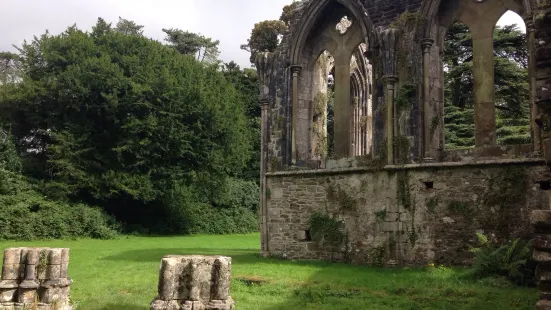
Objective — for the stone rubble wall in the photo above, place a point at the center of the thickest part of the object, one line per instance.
(194, 283)
(433, 218)
(35, 277)
(541, 243)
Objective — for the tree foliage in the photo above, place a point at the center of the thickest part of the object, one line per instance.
(112, 118)
(246, 83)
(511, 86)
(189, 43)
(265, 37)
(129, 27)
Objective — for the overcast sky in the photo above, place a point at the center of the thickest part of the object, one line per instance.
(229, 21)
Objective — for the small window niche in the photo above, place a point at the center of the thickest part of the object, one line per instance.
(545, 185)
(429, 185)
(304, 235)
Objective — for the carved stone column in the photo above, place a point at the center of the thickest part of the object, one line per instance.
(541, 220)
(342, 144)
(264, 105)
(295, 71)
(388, 40)
(535, 111)
(484, 89)
(264, 65)
(426, 44)
(390, 85)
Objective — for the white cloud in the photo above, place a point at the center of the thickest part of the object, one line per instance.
(229, 21)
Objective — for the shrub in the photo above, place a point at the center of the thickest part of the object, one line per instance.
(239, 193)
(325, 230)
(27, 215)
(205, 219)
(185, 210)
(508, 259)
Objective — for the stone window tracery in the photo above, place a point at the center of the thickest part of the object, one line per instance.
(343, 25)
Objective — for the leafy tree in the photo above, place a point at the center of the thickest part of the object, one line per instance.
(189, 43)
(129, 27)
(246, 83)
(123, 121)
(265, 37)
(511, 85)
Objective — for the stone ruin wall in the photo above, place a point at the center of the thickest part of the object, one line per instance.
(291, 193)
(35, 278)
(436, 221)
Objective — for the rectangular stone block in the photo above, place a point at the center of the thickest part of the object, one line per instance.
(188, 305)
(165, 305)
(51, 295)
(8, 306)
(12, 256)
(543, 274)
(541, 219)
(392, 217)
(197, 305)
(543, 305)
(390, 226)
(8, 294)
(227, 304)
(12, 271)
(541, 243)
(542, 257)
(222, 275)
(27, 295)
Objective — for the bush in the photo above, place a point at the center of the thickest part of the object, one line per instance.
(240, 194)
(186, 210)
(507, 260)
(27, 215)
(205, 219)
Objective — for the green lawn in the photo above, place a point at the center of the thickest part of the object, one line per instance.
(122, 274)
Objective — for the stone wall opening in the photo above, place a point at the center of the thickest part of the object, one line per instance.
(322, 94)
(545, 185)
(512, 100)
(361, 102)
(335, 30)
(484, 86)
(457, 60)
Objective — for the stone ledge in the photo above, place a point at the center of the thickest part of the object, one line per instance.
(480, 163)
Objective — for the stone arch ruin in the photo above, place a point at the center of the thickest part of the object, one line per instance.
(390, 185)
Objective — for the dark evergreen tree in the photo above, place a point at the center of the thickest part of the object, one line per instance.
(511, 86)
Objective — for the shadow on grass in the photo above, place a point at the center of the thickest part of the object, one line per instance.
(388, 289)
(120, 307)
(155, 255)
(239, 256)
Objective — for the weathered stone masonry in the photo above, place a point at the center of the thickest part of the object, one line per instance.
(432, 218)
(194, 282)
(35, 278)
(450, 194)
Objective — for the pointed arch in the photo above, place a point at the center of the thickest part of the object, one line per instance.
(313, 10)
(431, 8)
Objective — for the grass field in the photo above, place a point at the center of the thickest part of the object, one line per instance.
(123, 273)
